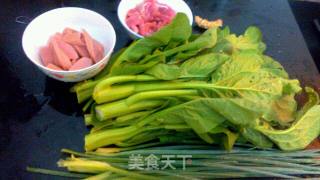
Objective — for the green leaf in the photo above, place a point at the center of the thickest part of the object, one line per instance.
(291, 86)
(181, 56)
(299, 135)
(253, 34)
(206, 40)
(240, 63)
(203, 65)
(223, 33)
(246, 77)
(237, 111)
(198, 114)
(282, 111)
(198, 67)
(243, 77)
(209, 37)
(254, 86)
(274, 67)
(181, 29)
(256, 138)
(251, 40)
(128, 68)
(223, 46)
(193, 37)
(164, 71)
(228, 139)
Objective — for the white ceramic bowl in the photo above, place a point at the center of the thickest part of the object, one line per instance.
(126, 5)
(47, 24)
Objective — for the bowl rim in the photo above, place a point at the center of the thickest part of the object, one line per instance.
(107, 54)
(137, 34)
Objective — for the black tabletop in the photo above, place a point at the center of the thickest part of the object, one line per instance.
(38, 114)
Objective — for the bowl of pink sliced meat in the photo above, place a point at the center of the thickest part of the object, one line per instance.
(69, 44)
(71, 50)
(142, 18)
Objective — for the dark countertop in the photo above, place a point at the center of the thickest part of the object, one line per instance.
(305, 13)
(38, 114)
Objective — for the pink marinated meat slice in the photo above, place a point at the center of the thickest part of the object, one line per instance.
(143, 30)
(133, 12)
(133, 22)
(61, 59)
(81, 63)
(57, 36)
(68, 31)
(72, 37)
(99, 51)
(148, 28)
(82, 51)
(67, 49)
(89, 44)
(73, 61)
(150, 10)
(46, 55)
(55, 58)
(54, 67)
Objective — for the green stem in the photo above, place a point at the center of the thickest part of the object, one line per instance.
(142, 138)
(107, 83)
(88, 119)
(113, 136)
(120, 108)
(84, 95)
(132, 116)
(158, 94)
(103, 138)
(104, 151)
(87, 105)
(177, 127)
(101, 125)
(122, 91)
(87, 85)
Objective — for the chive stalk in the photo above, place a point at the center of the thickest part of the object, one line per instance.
(89, 166)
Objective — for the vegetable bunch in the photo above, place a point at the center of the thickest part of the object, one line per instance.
(179, 87)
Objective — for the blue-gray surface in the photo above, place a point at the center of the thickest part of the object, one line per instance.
(39, 116)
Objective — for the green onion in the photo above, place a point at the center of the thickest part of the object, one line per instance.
(207, 162)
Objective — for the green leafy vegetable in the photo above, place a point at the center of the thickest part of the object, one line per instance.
(192, 91)
(216, 87)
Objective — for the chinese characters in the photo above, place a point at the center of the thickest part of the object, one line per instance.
(158, 162)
